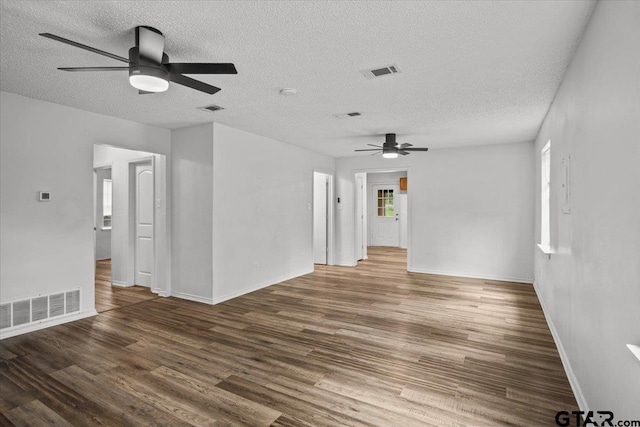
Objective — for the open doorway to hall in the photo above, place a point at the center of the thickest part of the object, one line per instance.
(129, 221)
(322, 218)
(382, 223)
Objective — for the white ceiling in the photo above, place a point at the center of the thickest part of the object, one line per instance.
(472, 72)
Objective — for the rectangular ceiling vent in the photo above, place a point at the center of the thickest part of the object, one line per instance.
(347, 115)
(379, 72)
(211, 108)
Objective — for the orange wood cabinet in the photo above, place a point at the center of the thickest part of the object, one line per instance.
(403, 184)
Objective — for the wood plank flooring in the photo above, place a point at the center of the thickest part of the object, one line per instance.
(109, 297)
(371, 345)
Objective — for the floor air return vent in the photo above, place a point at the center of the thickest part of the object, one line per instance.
(38, 309)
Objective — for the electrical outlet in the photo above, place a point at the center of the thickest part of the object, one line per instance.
(256, 266)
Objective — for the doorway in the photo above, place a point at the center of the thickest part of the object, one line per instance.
(322, 218)
(137, 225)
(381, 211)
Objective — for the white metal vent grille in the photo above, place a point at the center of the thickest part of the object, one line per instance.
(56, 305)
(73, 301)
(211, 108)
(381, 71)
(39, 308)
(5, 316)
(21, 312)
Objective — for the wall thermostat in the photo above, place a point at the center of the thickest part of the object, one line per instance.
(44, 196)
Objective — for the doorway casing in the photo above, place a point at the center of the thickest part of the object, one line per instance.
(330, 212)
(360, 211)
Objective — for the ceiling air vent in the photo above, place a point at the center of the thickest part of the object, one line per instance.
(211, 108)
(379, 72)
(346, 115)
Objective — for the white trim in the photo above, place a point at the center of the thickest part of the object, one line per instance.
(331, 220)
(231, 295)
(105, 165)
(19, 330)
(472, 276)
(635, 350)
(120, 284)
(573, 380)
(260, 286)
(191, 297)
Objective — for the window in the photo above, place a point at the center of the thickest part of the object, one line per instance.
(107, 198)
(385, 203)
(545, 192)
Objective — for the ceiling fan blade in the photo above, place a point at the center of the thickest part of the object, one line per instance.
(85, 47)
(404, 145)
(193, 84)
(402, 152)
(93, 68)
(375, 145)
(150, 43)
(369, 149)
(201, 68)
(416, 149)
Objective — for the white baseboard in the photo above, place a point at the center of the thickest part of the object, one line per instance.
(191, 297)
(46, 324)
(472, 276)
(235, 294)
(120, 284)
(259, 286)
(573, 380)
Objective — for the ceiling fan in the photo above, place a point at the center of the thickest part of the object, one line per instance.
(149, 67)
(390, 149)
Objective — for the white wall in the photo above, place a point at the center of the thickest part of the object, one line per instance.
(123, 247)
(48, 247)
(262, 212)
(103, 236)
(192, 185)
(470, 210)
(590, 287)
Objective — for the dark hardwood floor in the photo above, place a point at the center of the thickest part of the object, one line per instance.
(371, 345)
(109, 297)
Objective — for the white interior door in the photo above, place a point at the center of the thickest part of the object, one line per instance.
(144, 224)
(320, 184)
(385, 230)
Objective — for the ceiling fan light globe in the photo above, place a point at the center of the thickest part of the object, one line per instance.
(390, 155)
(148, 83)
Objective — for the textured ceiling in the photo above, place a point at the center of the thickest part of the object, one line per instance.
(472, 72)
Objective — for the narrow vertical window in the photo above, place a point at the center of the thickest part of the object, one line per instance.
(107, 200)
(545, 192)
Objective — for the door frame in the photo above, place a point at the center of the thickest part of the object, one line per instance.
(354, 181)
(330, 212)
(360, 226)
(96, 168)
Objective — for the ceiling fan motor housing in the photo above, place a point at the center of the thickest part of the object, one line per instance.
(141, 66)
(390, 140)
